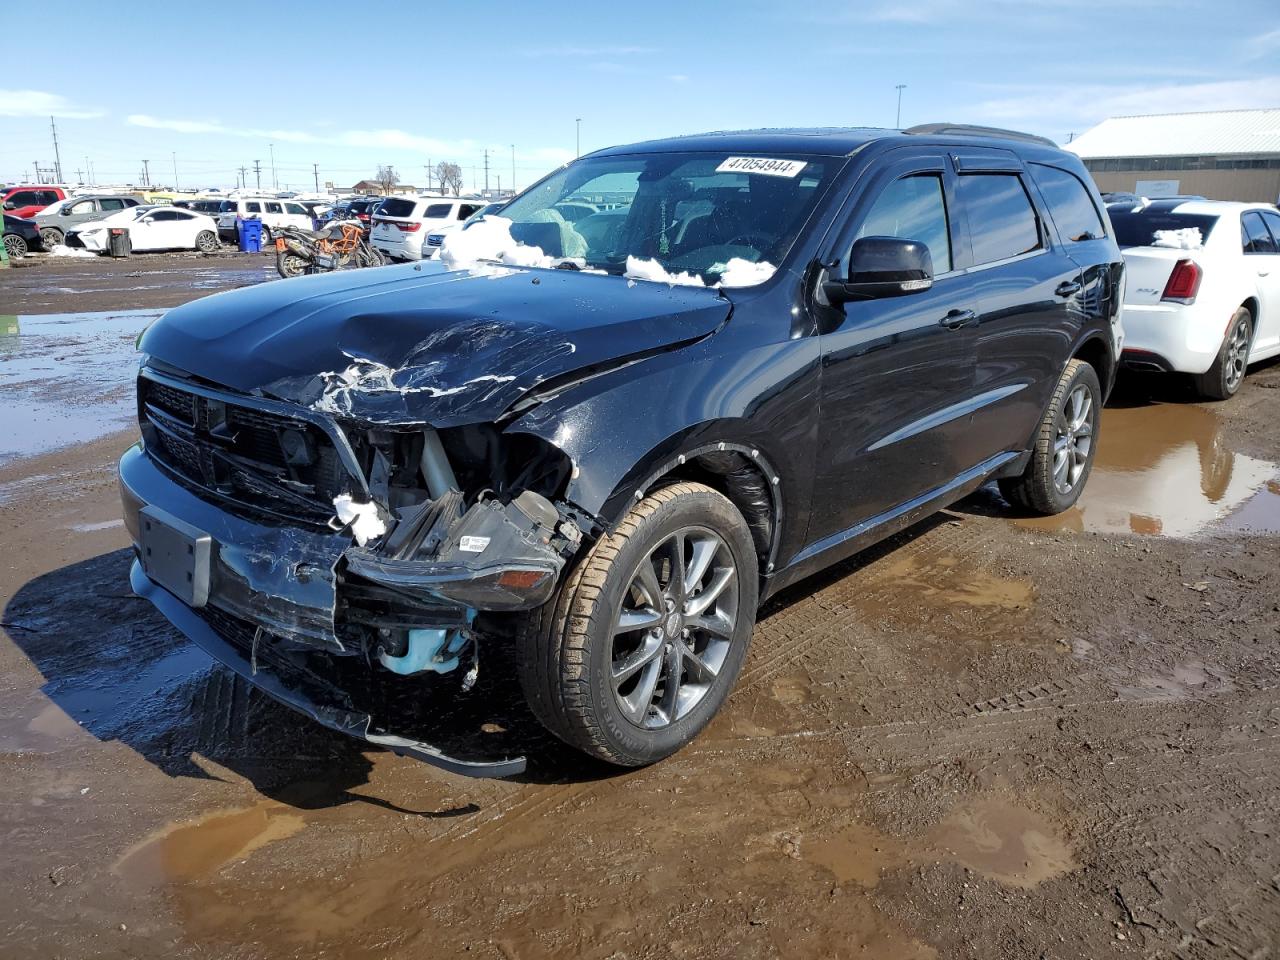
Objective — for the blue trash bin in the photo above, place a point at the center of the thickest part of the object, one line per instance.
(250, 231)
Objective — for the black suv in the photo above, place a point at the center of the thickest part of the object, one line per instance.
(597, 443)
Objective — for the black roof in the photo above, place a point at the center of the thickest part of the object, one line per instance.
(824, 141)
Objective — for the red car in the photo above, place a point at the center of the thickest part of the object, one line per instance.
(28, 201)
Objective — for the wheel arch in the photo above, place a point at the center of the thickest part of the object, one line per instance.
(1095, 351)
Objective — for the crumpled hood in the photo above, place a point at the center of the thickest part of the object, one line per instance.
(418, 344)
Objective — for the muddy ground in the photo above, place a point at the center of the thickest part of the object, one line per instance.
(988, 737)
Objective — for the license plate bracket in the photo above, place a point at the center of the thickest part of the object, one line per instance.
(324, 261)
(175, 555)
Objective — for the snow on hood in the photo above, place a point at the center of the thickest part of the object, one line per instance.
(736, 273)
(363, 518)
(1188, 238)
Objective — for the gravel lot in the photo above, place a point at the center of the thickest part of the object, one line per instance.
(989, 737)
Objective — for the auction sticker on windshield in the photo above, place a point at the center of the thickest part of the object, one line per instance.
(766, 165)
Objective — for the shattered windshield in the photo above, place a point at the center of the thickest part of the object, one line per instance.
(697, 218)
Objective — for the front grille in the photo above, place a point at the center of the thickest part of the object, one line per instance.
(262, 460)
(435, 239)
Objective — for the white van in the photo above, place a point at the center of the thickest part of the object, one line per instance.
(273, 213)
(402, 223)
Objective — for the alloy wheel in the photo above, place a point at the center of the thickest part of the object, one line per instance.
(1237, 354)
(1074, 439)
(674, 627)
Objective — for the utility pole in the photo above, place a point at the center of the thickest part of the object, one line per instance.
(88, 168)
(174, 155)
(577, 142)
(315, 169)
(146, 173)
(79, 178)
(275, 184)
(57, 157)
(428, 169)
(244, 171)
(897, 123)
(486, 171)
(257, 172)
(513, 169)
(36, 165)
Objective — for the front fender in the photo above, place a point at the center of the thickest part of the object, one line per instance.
(625, 430)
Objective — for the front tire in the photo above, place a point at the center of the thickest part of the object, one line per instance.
(1222, 381)
(647, 635)
(1065, 446)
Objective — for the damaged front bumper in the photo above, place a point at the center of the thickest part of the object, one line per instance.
(203, 566)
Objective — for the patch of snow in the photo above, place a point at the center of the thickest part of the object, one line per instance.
(62, 250)
(365, 523)
(638, 269)
(485, 242)
(743, 273)
(1188, 238)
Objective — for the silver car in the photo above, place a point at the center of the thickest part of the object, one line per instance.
(58, 220)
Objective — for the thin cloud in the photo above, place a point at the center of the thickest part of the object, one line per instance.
(596, 52)
(39, 103)
(219, 129)
(1262, 46)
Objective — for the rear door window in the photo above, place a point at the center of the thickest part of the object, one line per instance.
(49, 196)
(252, 206)
(297, 209)
(437, 211)
(1254, 235)
(115, 204)
(913, 208)
(1069, 202)
(25, 198)
(1002, 221)
(275, 208)
(1272, 220)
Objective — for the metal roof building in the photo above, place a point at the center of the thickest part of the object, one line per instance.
(1222, 154)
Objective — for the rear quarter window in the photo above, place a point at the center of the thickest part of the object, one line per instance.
(1070, 204)
(1002, 222)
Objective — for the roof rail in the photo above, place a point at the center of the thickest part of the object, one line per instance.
(969, 130)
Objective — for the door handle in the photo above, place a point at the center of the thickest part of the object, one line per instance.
(955, 319)
(1068, 288)
(1264, 273)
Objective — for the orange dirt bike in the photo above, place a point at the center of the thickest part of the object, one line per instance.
(337, 245)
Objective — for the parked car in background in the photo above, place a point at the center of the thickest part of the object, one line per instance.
(401, 224)
(319, 209)
(210, 207)
(273, 213)
(28, 201)
(791, 345)
(151, 228)
(1203, 288)
(21, 236)
(357, 208)
(58, 218)
(431, 247)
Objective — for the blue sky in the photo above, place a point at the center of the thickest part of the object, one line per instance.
(349, 86)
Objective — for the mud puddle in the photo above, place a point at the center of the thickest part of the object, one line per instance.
(1165, 469)
(197, 848)
(992, 836)
(67, 378)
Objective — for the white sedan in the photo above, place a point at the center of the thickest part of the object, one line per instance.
(150, 228)
(1202, 288)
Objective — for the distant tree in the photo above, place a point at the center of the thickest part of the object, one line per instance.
(449, 176)
(387, 177)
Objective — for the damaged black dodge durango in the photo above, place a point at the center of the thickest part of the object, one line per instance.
(667, 381)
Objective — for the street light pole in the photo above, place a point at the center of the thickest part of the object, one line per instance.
(275, 184)
(577, 152)
(897, 123)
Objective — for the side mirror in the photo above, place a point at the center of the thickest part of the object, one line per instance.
(10, 205)
(883, 267)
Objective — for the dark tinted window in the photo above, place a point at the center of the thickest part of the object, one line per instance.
(275, 208)
(1069, 202)
(1002, 222)
(115, 204)
(1254, 235)
(165, 215)
(1272, 220)
(437, 211)
(25, 198)
(49, 196)
(252, 206)
(467, 209)
(397, 207)
(913, 208)
(1137, 228)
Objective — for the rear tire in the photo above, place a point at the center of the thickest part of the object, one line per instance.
(289, 264)
(596, 662)
(51, 237)
(15, 246)
(1222, 381)
(1066, 443)
(207, 242)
